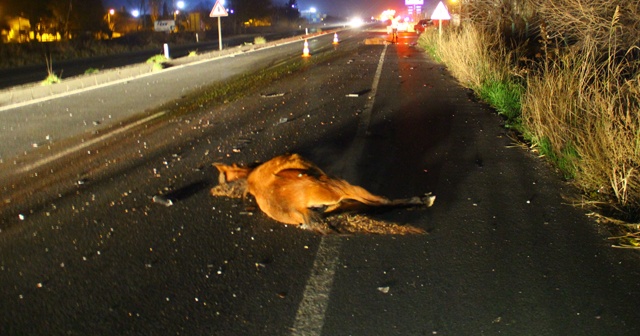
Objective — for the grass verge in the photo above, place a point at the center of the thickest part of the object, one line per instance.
(577, 108)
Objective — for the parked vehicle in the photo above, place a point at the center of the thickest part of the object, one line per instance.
(422, 25)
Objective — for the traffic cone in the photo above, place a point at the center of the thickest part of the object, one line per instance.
(335, 38)
(305, 50)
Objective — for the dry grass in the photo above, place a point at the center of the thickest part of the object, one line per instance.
(588, 98)
(582, 100)
(470, 55)
(590, 106)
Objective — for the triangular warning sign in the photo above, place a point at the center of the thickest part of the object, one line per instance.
(218, 10)
(441, 13)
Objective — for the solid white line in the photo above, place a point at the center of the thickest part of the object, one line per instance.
(127, 79)
(86, 144)
(118, 131)
(315, 299)
(365, 121)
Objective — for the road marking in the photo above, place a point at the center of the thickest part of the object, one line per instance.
(365, 121)
(311, 312)
(315, 299)
(354, 152)
(86, 144)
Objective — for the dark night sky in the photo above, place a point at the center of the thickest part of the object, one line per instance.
(343, 8)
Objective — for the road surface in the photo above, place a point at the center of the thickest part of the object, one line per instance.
(504, 253)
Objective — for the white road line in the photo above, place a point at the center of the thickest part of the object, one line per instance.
(311, 312)
(127, 79)
(117, 131)
(315, 299)
(365, 121)
(87, 143)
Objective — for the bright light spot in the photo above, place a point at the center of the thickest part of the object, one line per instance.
(135, 13)
(356, 22)
(180, 4)
(112, 11)
(313, 10)
(387, 15)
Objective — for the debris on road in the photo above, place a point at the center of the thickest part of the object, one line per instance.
(162, 200)
(272, 95)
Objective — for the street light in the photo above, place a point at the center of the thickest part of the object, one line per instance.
(179, 5)
(459, 4)
(109, 14)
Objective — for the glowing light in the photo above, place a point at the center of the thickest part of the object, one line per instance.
(387, 15)
(313, 10)
(112, 11)
(180, 4)
(356, 22)
(135, 13)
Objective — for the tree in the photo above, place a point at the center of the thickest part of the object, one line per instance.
(78, 16)
(154, 6)
(33, 10)
(245, 10)
(286, 14)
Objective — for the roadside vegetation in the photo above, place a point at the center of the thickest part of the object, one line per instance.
(565, 75)
(14, 55)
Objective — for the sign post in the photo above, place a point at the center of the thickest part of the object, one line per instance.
(219, 11)
(441, 13)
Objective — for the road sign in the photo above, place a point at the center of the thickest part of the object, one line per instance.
(218, 10)
(441, 13)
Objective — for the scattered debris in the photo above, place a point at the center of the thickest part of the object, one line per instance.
(384, 289)
(282, 121)
(376, 41)
(162, 200)
(272, 95)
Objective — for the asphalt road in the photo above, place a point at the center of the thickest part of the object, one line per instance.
(505, 253)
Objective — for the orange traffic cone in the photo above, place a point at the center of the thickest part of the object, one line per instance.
(335, 38)
(305, 50)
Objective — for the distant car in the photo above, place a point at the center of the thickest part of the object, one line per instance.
(422, 25)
